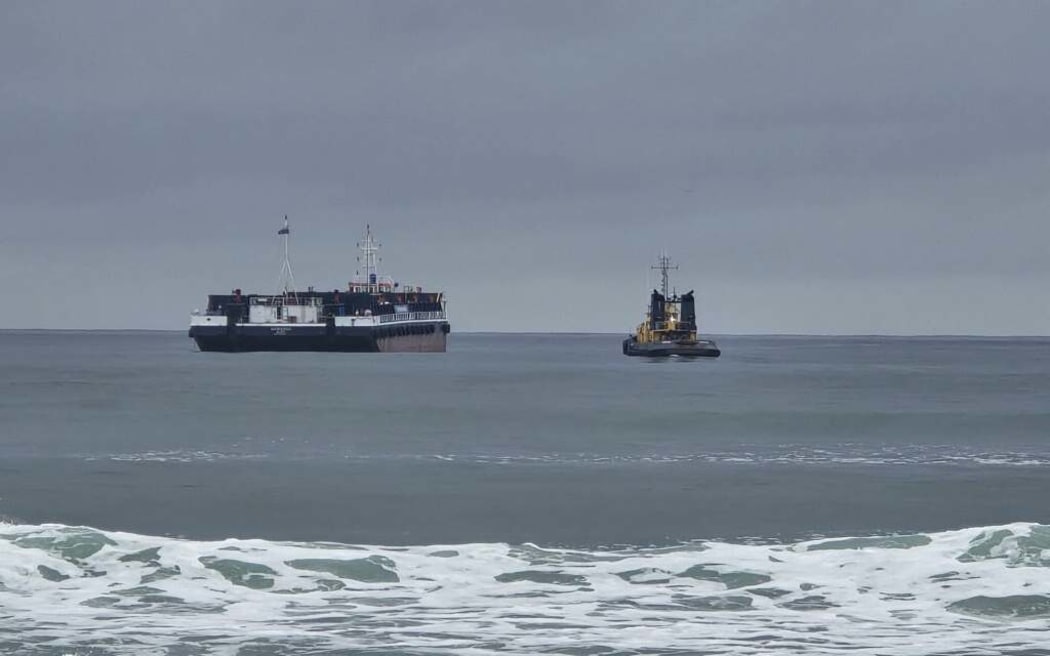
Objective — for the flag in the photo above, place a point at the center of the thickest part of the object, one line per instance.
(284, 230)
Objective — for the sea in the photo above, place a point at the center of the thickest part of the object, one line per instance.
(525, 494)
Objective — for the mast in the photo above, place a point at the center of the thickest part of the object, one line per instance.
(286, 281)
(663, 266)
(369, 247)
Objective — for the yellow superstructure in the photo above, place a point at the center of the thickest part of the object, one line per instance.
(666, 331)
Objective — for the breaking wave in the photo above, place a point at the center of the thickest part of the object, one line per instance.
(77, 590)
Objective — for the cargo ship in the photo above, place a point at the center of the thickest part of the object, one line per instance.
(670, 326)
(372, 314)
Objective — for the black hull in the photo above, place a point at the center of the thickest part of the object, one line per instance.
(414, 338)
(704, 349)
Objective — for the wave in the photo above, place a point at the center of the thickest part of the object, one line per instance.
(79, 590)
(787, 454)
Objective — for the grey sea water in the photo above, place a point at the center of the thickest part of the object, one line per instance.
(524, 494)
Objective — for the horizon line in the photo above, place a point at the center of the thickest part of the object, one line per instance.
(584, 332)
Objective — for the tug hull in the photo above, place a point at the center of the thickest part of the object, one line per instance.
(699, 349)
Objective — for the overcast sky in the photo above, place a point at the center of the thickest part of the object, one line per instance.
(826, 167)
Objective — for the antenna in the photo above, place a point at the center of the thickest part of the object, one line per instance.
(664, 265)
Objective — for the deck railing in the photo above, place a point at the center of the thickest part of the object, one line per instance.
(411, 316)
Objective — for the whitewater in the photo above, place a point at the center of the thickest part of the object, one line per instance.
(77, 590)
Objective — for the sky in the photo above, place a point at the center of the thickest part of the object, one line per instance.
(826, 167)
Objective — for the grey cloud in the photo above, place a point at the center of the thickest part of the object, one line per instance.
(509, 145)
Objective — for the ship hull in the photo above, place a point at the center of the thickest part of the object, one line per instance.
(699, 349)
(242, 338)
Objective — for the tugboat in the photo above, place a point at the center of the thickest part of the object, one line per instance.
(670, 325)
(372, 314)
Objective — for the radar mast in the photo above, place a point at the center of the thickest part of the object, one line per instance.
(663, 266)
(369, 247)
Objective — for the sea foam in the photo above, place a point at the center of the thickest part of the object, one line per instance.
(79, 590)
